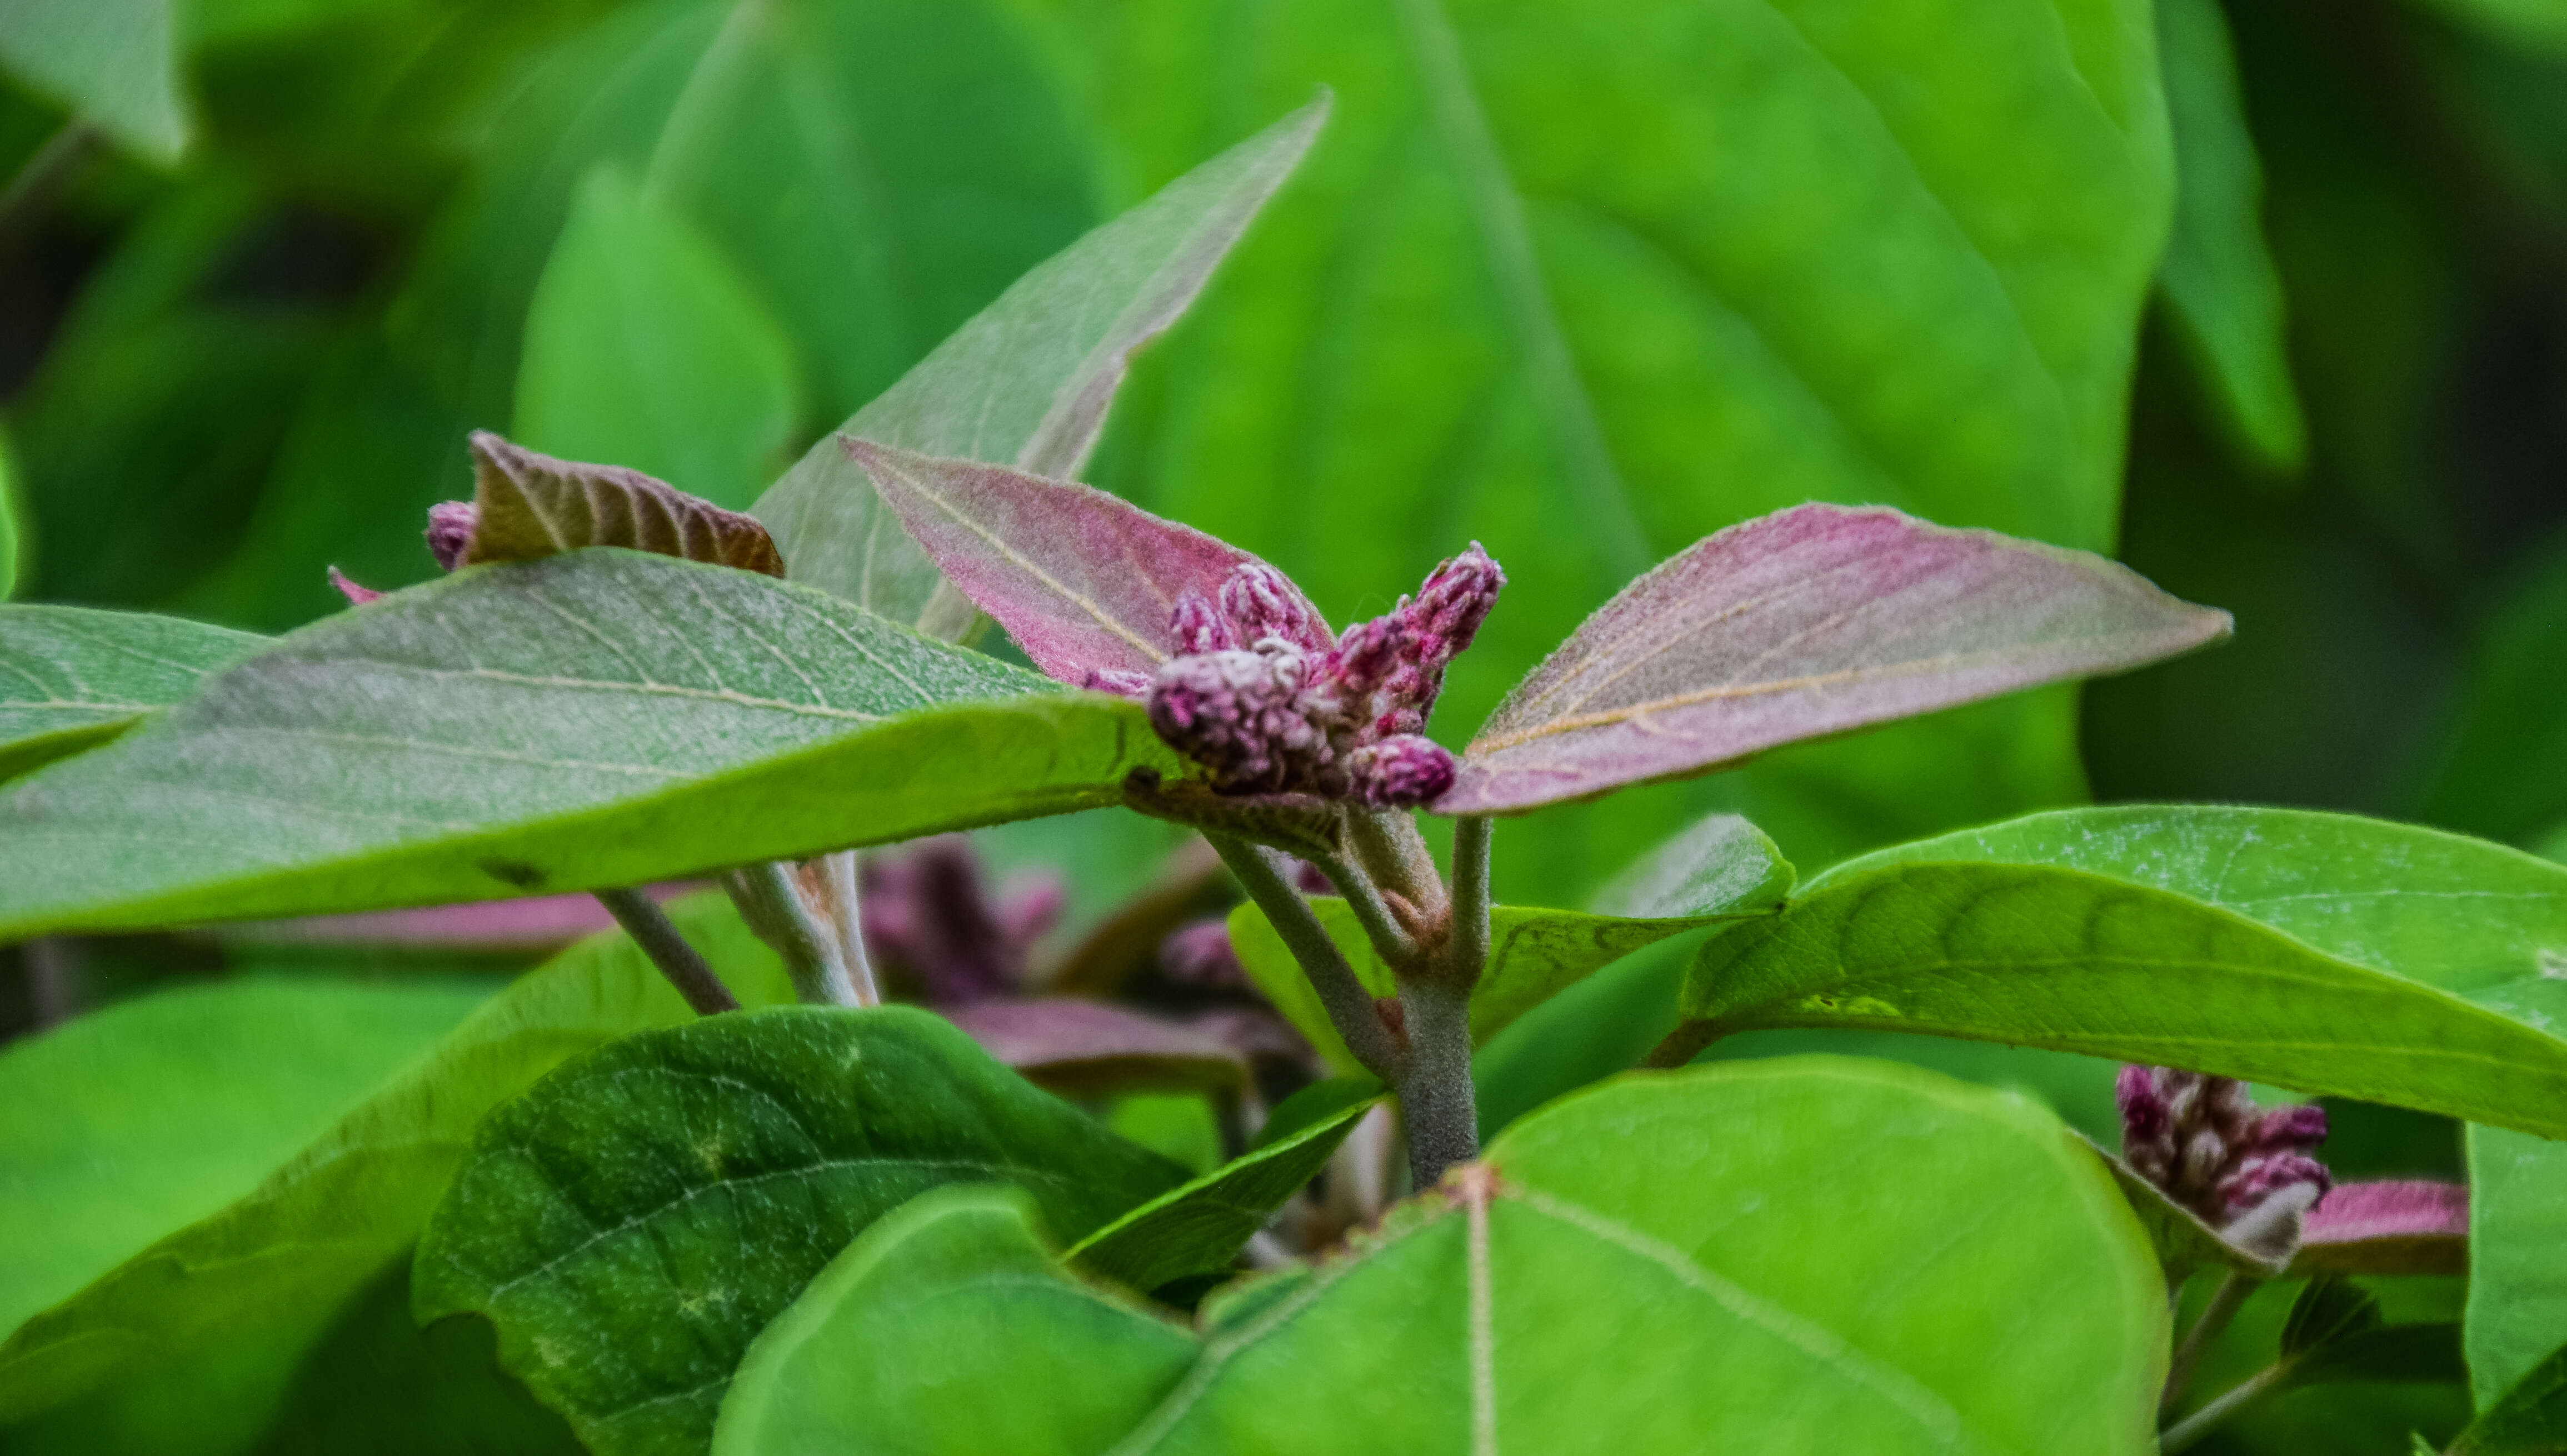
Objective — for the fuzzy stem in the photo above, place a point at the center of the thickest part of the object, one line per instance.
(1466, 955)
(1437, 1102)
(2224, 1304)
(1348, 1002)
(1390, 940)
(1388, 848)
(838, 875)
(651, 929)
(774, 907)
(2202, 1422)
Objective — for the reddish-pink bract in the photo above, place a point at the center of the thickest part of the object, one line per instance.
(1808, 622)
(1084, 582)
(2404, 1226)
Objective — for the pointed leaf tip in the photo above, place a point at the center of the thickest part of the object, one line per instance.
(1086, 583)
(1808, 622)
(528, 505)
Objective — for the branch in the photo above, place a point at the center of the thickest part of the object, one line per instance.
(1390, 939)
(773, 906)
(1348, 1002)
(2224, 1302)
(1466, 956)
(651, 929)
(1437, 1102)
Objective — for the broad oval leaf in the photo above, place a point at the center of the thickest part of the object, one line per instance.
(72, 678)
(1027, 382)
(1808, 622)
(1082, 581)
(2058, 957)
(532, 506)
(1201, 1227)
(605, 717)
(634, 1221)
(1789, 1245)
(321, 1222)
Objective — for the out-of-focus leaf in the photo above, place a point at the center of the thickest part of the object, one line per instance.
(320, 1223)
(1082, 581)
(2517, 1310)
(603, 717)
(1026, 383)
(13, 541)
(1770, 1235)
(532, 506)
(2528, 1419)
(147, 1116)
(2404, 1225)
(72, 678)
(1201, 1227)
(1082, 1048)
(1806, 622)
(2217, 279)
(113, 62)
(632, 1223)
(645, 348)
(2502, 773)
(1613, 277)
(1535, 953)
(1721, 863)
(2042, 956)
(2538, 25)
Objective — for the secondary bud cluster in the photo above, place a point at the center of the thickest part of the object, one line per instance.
(930, 919)
(1261, 697)
(2203, 1141)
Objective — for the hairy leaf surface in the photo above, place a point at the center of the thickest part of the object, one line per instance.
(605, 717)
(1026, 383)
(533, 507)
(322, 1220)
(634, 1221)
(1806, 622)
(72, 678)
(1771, 1237)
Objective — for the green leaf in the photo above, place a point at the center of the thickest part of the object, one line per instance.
(2059, 958)
(2529, 1419)
(1721, 862)
(1026, 383)
(2218, 280)
(321, 1222)
(2517, 1311)
(113, 62)
(645, 347)
(1534, 954)
(1612, 277)
(2501, 774)
(2183, 1242)
(2538, 26)
(1201, 1227)
(604, 717)
(13, 544)
(1788, 1243)
(153, 1114)
(72, 678)
(632, 1223)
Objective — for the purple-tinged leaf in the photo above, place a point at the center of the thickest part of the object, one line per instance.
(2397, 1226)
(1085, 583)
(530, 505)
(1027, 382)
(499, 925)
(1084, 1048)
(1808, 622)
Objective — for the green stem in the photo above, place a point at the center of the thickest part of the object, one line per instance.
(838, 874)
(2202, 1422)
(2224, 1304)
(1390, 940)
(774, 907)
(1466, 955)
(1343, 995)
(1682, 1044)
(659, 939)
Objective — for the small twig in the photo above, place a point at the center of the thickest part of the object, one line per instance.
(1390, 940)
(650, 927)
(2201, 1422)
(2224, 1304)
(1682, 1045)
(1348, 1002)
(1388, 848)
(838, 879)
(773, 906)
(53, 979)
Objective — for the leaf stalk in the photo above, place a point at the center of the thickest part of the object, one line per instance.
(772, 903)
(651, 930)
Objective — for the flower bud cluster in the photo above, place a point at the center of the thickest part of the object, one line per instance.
(1259, 695)
(930, 919)
(2211, 1150)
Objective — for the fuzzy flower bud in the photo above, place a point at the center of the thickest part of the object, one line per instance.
(1117, 681)
(1403, 772)
(1199, 626)
(2203, 1140)
(1450, 607)
(357, 595)
(1237, 714)
(451, 524)
(1262, 602)
(928, 916)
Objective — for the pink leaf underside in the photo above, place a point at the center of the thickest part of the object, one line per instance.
(1069, 1042)
(1808, 622)
(531, 924)
(1081, 580)
(2397, 1226)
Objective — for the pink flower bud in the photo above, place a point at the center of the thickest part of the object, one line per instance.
(1200, 955)
(1235, 714)
(1117, 681)
(2145, 1117)
(2257, 1179)
(2205, 1144)
(1199, 627)
(451, 524)
(2294, 1129)
(1262, 602)
(1450, 607)
(929, 919)
(1403, 772)
(357, 595)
